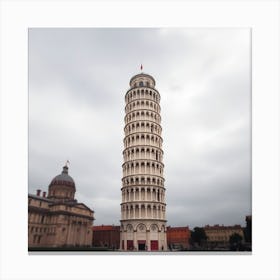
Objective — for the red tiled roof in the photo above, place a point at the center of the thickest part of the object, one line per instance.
(177, 228)
(105, 227)
(222, 227)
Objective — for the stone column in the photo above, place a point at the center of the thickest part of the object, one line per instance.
(134, 239)
(74, 229)
(125, 240)
(148, 240)
(69, 229)
(121, 238)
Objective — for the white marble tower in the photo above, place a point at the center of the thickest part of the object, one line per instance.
(143, 222)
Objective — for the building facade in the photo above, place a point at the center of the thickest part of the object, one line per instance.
(218, 236)
(56, 219)
(143, 207)
(178, 238)
(106, 236)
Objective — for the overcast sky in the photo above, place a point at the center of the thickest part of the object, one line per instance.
(77, 82)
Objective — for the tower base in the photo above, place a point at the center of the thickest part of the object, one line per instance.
(143, 235)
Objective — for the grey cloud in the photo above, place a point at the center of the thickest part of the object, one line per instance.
(77, 81)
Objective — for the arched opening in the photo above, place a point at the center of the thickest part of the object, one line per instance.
(149, 194)
(142, 194)
(137, 194)
(142, 215)
(149, 211)
(141, 237)
(154, 212)
(142, 166)
(137, 211)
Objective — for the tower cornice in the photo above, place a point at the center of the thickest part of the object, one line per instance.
(143, 99)
(143, 120)
(140, 88)
(152, 134)
(142, 159)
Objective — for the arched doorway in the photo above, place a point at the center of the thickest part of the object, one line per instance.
(141, 237)
(154, 237)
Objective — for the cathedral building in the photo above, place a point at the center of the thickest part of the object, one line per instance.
(57, 219)
(143, 207)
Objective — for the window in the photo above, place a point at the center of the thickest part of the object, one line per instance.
(141, 84)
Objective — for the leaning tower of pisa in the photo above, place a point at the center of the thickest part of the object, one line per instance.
(143, 221)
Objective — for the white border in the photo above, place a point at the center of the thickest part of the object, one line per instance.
(261, 16)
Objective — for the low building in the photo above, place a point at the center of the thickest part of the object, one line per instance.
(57, 219)
(218, 236)
(106, 236)
(178, 238)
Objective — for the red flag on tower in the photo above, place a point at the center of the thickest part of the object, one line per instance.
(141, 67)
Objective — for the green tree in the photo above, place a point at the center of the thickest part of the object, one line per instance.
(235, 241)
(198, 236)
(235, 238)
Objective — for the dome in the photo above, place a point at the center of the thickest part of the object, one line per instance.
(63, 179)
